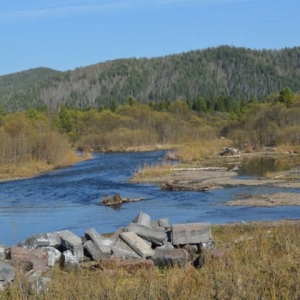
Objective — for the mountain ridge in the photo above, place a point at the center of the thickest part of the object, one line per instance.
(223, 71)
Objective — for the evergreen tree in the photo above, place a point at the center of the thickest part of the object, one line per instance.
(65, 121)
(286, 96)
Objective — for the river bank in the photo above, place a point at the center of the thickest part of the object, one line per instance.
(33, 168)
(224, 172)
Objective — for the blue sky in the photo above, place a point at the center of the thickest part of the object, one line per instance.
(65, 34)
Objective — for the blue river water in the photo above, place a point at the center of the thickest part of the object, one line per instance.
(70, 198)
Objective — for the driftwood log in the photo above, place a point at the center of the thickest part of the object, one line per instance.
(117, 200)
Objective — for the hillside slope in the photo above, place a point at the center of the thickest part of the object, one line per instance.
(239, 72)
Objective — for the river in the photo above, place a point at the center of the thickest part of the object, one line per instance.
(70, 198)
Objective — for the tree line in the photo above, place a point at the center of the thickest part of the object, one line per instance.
(212, 79)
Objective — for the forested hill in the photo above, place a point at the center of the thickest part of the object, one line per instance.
(223, 71)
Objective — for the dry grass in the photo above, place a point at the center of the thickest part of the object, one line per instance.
(201, 150)
(152, 171)
(32, 168)
(262, 262)
(288, 149)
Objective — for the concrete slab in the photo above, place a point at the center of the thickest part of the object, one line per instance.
(92, 250)
(103, 244)
(191, 233)
(170, 258)
(153, 235)
(123, 250)
(142, 219)
(41, 240)
(137, 244)
(70, 241)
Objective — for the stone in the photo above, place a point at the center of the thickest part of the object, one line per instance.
(154, 224)
(142, 219)
(41, 240)
(164, 223)
(54, 255)
(2, 252)
(193, 250)
(137, 244)
(167, 246)
(92, 250)
(191, 233)
(103, 244)
(69, 261)
(38, 285)
(4, 286)
(170, 258)
(7, 272)
(70, 241)
(153, 235)
(123, 250)
(37, 257)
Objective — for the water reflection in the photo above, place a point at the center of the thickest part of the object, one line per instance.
(261, 166)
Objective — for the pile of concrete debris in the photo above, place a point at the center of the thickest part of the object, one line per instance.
(144, 243)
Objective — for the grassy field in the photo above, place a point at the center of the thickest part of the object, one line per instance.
(257, 261)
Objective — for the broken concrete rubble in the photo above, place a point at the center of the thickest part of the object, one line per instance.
(37, 257)
(137, 244)
(41, 240)
(92, 250)
(69, 261)
(191, 233)
(103, 244)
(153, 235)
(7, 272)
(70, 241)
(144, 242)
(170, 258)
(142, 219)
(122, 250)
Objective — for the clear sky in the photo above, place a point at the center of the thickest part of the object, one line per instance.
(65, 34)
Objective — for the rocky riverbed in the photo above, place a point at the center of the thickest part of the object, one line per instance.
(225, 174)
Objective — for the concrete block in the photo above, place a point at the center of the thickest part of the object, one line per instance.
(153, 235)
(7, 272)
(191, 233)
(103, 244)
(41, 240)
(170, 258)
(54, 255)
(70, 241)
(123, 250)
(142, 219)
(154, 224)
(167, 246)
(164, 223)
(69, 261)
(137, 244)
(2, 252)
(38, 285)
(92, 250)
(37, 257)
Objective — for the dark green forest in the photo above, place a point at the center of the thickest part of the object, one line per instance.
(222, 78)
